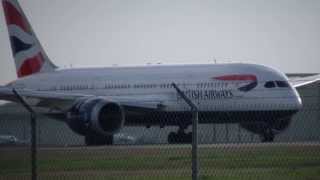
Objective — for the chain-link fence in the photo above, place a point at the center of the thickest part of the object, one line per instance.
(226, 150)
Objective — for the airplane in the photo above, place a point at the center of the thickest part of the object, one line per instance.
(98, 102)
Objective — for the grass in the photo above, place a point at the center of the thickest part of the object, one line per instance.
(261, 163)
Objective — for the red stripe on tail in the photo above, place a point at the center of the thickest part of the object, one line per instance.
(31, 66)
(13, 16)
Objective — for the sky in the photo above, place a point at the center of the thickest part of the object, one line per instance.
(284, 34)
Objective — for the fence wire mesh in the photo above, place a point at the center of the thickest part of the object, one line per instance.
(226, 151)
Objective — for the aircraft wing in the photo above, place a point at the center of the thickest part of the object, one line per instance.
(64, 101)
(41, 98)
(304, 81)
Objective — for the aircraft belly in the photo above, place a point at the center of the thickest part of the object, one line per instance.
(205, 117)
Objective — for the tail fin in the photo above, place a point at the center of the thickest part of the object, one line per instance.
(29, 56)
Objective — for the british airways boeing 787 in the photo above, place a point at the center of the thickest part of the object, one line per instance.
(98, 102)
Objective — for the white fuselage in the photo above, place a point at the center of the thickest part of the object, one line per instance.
(153, 83)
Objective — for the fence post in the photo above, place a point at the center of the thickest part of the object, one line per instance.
(318, 86)
(33, 123)
(214, 139)
(195, 121)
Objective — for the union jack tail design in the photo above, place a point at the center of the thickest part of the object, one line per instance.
(27, 51)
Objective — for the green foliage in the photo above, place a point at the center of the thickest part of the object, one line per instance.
(261, 163)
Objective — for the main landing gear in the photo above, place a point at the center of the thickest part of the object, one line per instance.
(267, 135)
(180, 137)
(94, 139)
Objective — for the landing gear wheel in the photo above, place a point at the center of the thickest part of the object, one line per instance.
(98, 140)
(180, 138)
(189, 137)
(268, 136)
(172, 138)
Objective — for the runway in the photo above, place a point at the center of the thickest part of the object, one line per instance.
(168, 146)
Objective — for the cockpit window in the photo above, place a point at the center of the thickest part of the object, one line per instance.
(282, 84)
(270, 84)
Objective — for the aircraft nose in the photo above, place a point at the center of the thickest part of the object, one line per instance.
(297, 102)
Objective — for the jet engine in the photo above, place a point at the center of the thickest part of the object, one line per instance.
(96, 115)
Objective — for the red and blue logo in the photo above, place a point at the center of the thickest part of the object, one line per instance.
(249, 80)
(22, 40)
(14, 17)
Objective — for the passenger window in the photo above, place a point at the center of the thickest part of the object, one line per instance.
(270, 84)
(282, 84)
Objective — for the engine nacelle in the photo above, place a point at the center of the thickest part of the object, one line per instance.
(97, 115)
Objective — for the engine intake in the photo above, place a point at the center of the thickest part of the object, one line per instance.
(98, 115)
(108, 117)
